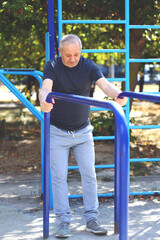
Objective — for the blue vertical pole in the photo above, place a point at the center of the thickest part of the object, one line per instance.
(47, 50)
(51, 28)
(59, 21)
(46, 175)
(116, 182)
(47, 47)
(127, 70)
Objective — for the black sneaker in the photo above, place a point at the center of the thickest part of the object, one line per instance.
(63, 230)
(94, 227)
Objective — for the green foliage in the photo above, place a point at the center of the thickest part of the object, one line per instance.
(103, 123)
(24, 23)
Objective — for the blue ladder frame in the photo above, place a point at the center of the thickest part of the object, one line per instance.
(128, 60)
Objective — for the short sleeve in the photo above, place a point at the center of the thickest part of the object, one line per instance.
(48, 71)
(96, 72)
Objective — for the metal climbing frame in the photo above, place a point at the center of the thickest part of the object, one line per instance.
(39, 115)
(128, 60)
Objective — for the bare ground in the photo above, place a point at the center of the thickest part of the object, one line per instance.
(20, 146)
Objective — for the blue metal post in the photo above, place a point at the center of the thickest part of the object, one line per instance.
(59, 21)
(46, 191)
(51, 28)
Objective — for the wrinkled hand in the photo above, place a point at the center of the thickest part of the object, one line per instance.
(46, 107)
(122, 101)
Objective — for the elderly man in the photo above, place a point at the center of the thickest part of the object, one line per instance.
(71, 129)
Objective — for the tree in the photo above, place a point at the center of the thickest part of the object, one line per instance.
(24, 23)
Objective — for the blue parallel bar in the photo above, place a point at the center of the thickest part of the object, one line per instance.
(103, 51)
(103, 109)
(141, 96)
(93, 21)
(121, 151)
(132, 60)
(144, 26)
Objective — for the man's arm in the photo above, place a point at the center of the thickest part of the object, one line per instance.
(111, 90)
(43, 92)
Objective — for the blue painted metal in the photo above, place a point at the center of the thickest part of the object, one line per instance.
(144, 26)
(19, 95)
(127, 67)
(93, 21)
(51, 28)
(141, 96)
(46, 196)
(47, 47)
(60, 26)
(144, 126)
(147, 60)
(144, 159)
(103, 51)
(121, 151)
(126, 50)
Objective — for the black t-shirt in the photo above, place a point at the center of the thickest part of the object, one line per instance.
(78, 81)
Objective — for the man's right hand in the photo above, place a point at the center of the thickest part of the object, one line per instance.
(43, 93)
(46, 107)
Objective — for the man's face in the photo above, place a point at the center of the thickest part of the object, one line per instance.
(70, 54)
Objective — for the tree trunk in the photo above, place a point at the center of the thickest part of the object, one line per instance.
(137, 44)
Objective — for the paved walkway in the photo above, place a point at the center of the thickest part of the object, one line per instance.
(21, 214)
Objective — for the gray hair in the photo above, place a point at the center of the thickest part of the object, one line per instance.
(68, 39)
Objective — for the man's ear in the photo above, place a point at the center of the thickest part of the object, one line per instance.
(59, 50)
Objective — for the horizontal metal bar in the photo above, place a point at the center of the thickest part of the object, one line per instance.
(144, 126)
(132, 60)
(96, 166)
(102, 109)
(98, 109)
(150, 193)
(144, 26)
(144, 160)
(117, 79)
(21, 72)
(104, 138)
(100, 195)
(141, 96)
(93, 21)
(131, 160)
(103, 51)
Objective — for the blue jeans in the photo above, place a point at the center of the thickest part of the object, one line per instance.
(82, 147)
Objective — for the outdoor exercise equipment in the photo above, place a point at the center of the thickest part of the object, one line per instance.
(121, 192)
(121, 161)
(39, 115)
(126, 51)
